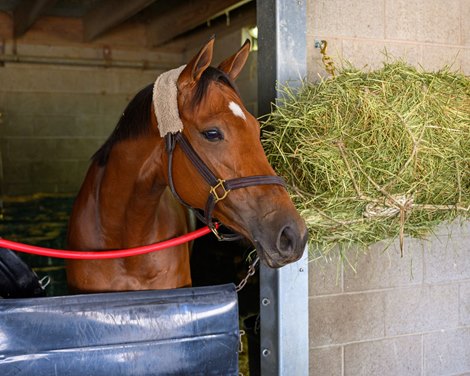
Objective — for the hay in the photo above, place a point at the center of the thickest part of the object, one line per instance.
(370, 156)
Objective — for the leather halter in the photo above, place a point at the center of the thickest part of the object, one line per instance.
(219, 188)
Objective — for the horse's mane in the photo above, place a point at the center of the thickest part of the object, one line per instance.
(135, 120)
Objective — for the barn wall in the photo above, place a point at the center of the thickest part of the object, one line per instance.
(430, 33)
(55, 116)
(392, 315)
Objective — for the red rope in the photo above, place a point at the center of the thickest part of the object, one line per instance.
(99, 255)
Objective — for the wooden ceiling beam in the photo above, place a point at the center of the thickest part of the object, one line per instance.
(184, 16)
(108, 14)
(26, 14)
(244, 16)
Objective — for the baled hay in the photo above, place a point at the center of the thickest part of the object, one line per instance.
(372, 156)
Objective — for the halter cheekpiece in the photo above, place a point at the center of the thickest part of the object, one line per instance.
(171, 127)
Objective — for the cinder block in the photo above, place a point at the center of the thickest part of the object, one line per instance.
(114, 104)
(132, 81)
(403, 19)
(15, 172)
(31, 149)
(389, 357)
(44, 187)
(341, 319)
(50, 103)
(348, 18)
(420, 309)
(465, 60)
(364, 54)
(56, 79)
(447, 259)
(364, 20)
(432, 21)
(437, 57)
(96, 126)
(50, 50)
(440, 21)
(409, 52)
(456, 229)
(325, 275)
(325, 361)
(54, 125)
(381, 266)
(447, 352)
(464, 304)
(17, 189)
(54, 172)
(77, 148)
(15, 124)
(322, 18)
(465, 19)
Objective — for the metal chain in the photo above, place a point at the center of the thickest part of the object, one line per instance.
(251, 272)
(326, 59)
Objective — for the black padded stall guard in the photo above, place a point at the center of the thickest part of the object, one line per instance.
(190, 331)
(17, 280)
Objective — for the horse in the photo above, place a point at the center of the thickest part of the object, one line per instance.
(142, 182)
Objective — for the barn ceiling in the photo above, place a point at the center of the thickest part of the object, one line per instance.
(166, 21)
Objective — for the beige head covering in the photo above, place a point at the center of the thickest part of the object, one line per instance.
(165, 102)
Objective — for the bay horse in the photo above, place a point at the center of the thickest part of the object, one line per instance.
(140, 183)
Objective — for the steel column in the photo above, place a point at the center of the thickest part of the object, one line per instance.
(283, 292)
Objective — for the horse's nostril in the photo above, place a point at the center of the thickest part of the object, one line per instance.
(286, 241)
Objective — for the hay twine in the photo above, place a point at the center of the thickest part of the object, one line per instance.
(371, 156)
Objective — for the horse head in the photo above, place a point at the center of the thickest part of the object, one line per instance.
(226, 137)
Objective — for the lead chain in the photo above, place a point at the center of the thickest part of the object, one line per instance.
(251, 272)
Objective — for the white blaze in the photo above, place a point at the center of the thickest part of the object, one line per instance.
(237, 111)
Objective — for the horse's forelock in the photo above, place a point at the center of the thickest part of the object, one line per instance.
(211, 74)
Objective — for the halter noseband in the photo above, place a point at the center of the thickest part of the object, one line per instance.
(219, 188)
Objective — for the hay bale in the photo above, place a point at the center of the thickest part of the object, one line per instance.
(370, 156)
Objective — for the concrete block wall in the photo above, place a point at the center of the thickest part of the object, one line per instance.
(431, 33)
(55, 117)
(386, 315)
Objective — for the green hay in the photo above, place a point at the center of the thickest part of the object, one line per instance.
(370, 156)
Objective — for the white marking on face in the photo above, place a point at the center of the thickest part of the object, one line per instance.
(237, 111)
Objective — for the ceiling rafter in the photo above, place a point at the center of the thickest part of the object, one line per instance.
(185, 17)
(27, 13)
(108, 14)
(245, 16)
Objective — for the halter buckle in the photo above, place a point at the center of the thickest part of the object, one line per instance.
(213, 191)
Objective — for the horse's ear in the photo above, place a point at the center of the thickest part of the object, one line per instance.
(234, 64)
(198, 64)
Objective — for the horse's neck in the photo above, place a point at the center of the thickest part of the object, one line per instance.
(131, 194)
(121, 205)
(124, 200)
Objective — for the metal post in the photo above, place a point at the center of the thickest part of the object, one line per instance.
(283, 292)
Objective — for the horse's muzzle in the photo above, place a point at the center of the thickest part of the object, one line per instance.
(282, 247)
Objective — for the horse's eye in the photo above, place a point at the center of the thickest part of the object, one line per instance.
(213, 134)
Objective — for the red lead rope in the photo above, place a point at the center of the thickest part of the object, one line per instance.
(100, 255)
